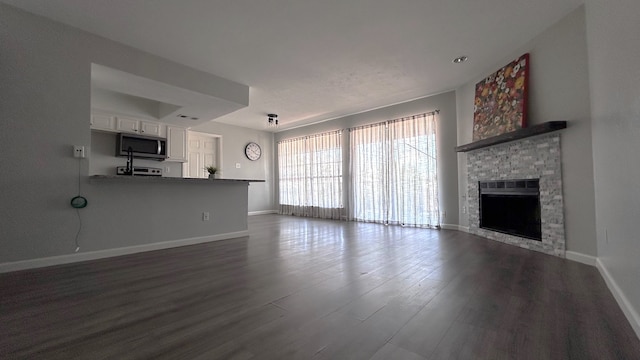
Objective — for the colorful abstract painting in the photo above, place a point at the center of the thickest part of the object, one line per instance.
(501, 100)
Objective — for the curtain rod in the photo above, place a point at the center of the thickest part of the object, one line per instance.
(434, 112)
(331, 132)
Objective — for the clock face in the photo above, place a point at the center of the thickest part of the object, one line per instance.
(253, 151)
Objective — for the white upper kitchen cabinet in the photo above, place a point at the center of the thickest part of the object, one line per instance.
(137, 126)
(126, 124)
(103, 122)
(151, 128)
(177, 144)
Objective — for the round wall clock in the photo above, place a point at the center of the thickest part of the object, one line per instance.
(253, 151)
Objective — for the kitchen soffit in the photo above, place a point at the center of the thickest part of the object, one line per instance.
(174, 105)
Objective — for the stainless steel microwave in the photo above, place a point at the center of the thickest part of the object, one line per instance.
(142, 147)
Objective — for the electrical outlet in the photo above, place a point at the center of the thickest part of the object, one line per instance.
(464, 209)
(167, 169)
(444, 214)
(78, 151)
(205, 216)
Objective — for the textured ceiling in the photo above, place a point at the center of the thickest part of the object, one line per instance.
(310, 60)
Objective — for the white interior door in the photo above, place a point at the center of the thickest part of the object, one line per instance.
(202, 151)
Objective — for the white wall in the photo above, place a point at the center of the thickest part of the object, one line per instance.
(234, 140)
(558, 90)
(45, 86)
(114, 103)
(446, 132)
(614, 69)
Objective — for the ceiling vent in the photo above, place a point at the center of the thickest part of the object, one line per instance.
(187, 117)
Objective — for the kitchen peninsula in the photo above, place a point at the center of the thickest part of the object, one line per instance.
(130, 214)
(169, 179)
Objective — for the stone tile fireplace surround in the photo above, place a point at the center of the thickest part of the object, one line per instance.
(529, 158)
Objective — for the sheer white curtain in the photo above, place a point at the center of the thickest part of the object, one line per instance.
(394, 172)
(310, 175)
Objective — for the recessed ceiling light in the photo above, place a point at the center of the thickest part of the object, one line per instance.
(460, 59)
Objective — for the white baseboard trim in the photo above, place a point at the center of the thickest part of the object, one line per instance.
(624, 303)
(450, 226)
(455, 227)
(100, 254)
(580, 257)
(262, 212)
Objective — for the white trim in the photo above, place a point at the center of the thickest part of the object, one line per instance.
(262, 212)
(580, 257)
(455, 227)
(450, 227)
(618, 294)
(100, 254)
(218, 150)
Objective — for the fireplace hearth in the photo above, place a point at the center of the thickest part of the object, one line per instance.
(527, 213)
(511, 207)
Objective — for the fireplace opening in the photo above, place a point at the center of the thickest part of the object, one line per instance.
(511, 207)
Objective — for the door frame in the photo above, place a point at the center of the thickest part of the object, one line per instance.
(219, 156)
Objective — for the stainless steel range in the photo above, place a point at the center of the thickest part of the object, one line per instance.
(139, 171)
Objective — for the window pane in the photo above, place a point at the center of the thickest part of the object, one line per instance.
(311, 171)
(394, 172)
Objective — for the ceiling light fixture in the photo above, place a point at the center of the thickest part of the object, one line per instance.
(460, 59)
(273, 120)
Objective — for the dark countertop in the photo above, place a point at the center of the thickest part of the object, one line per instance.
(163, 179)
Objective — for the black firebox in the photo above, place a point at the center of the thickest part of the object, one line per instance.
(511, 207)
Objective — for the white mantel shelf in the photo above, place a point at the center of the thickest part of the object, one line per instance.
(539, 129)
(162, 179)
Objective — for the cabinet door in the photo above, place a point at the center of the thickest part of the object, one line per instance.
(150, 128)
(126, 124)
(102, 122)
(177, 144)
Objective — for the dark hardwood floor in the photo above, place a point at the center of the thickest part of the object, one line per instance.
(315, 289)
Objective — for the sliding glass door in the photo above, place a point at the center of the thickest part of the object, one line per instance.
(394, 172)
(310, 170)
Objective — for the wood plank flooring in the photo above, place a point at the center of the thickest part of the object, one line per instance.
(301, 288)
